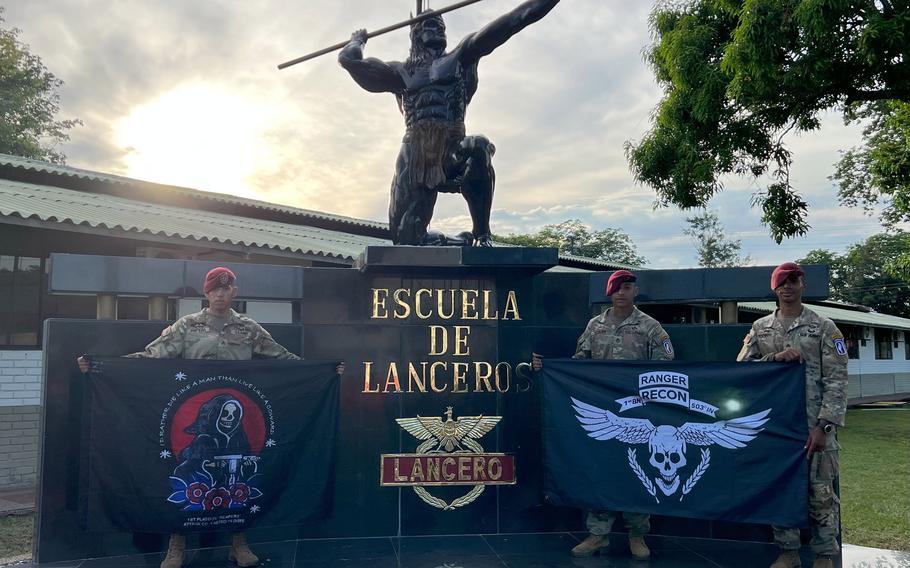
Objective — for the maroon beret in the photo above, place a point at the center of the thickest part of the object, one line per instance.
(782, 272)
(616, 280)
(216, 277)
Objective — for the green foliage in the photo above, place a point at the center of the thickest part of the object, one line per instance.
(738, 75)
(877, 174)
(29, 102)
(866, 274)
(575, 238)
(715, 250)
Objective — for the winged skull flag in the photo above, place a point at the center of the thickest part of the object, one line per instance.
(717, 441)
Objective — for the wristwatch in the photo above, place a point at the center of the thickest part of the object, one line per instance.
(826, 426)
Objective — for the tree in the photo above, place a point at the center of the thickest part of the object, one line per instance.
(876, 175)
(714, 249)
(863, 274)
(575, 238)
(739, 75)
(29, 102)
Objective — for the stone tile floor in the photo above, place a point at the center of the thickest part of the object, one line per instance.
(493, 551)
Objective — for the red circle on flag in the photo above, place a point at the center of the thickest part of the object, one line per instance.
(253, 422)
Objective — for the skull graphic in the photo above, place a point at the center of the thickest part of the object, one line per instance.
(668, 454)
(230, 416)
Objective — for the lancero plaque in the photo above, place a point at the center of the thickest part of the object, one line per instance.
(448, 456)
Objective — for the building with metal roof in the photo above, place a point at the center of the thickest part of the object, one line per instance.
(49, 208)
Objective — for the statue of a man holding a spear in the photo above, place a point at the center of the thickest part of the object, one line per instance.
(433, 87)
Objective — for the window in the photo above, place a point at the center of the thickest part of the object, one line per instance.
(907, 345)
(20, 293)
(852, 336)
(883, 349)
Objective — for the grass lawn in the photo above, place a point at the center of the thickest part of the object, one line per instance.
(875, 478)
(16, 535)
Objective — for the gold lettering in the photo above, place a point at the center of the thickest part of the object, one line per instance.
(482, 376)
(511, 306)
(367, 374)
(439, 306)
(499, 378)
(479, 472)
(417, 471)
(466, 303)
(433, 469)
(495, 468)
(459, 370)
(379, 298)
(433, 375)
(464, 468)
(401, 303)
(447, 474)
(487, 302)
(417, 379)
(461, 340)
(444, 337)
(392, 378)
(398, 476)
(417, 304)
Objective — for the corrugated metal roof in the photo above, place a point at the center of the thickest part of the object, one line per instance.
(60, 176)
(53, 204)
(597, 264)
(71, 172)
(872, 319)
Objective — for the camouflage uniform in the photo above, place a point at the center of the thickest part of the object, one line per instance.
(194, 337)
(637, 338)
(822, 346)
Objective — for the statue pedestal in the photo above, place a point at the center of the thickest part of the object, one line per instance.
(410, 259)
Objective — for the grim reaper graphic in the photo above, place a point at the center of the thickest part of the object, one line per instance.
(667, 444)
(218, 432)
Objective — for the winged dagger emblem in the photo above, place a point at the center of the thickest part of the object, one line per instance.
(668, 443)
(450, 435)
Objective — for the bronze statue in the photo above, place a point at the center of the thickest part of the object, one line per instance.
(433, 88)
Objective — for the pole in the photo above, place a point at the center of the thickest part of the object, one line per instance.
(385, 30)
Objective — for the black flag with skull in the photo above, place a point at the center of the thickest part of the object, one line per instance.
(719, 441)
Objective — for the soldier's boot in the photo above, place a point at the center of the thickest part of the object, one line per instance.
(638, 548)
(823, 562)
(787, 559)
(175, 550)
(241, 553)
(591, 545)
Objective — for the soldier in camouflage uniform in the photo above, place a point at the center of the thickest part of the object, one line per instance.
(205, 335)
(796, 333)
(216, 332)
(621, 333)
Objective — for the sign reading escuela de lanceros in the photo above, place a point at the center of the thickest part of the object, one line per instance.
(459, 309)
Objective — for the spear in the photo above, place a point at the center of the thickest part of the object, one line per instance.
(418, 18)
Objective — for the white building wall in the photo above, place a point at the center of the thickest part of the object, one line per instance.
(20, 378)
(20, 400)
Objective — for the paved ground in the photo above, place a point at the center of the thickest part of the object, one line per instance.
(15, 501)
(493, 551)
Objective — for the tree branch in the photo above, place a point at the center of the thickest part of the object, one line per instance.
(855, 95)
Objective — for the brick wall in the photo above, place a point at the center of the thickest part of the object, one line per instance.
(18, 445)
(20, 378)
(20, 397)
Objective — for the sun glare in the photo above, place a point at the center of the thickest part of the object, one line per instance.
(196, 136)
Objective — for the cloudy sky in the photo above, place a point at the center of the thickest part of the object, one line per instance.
(187, 93)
